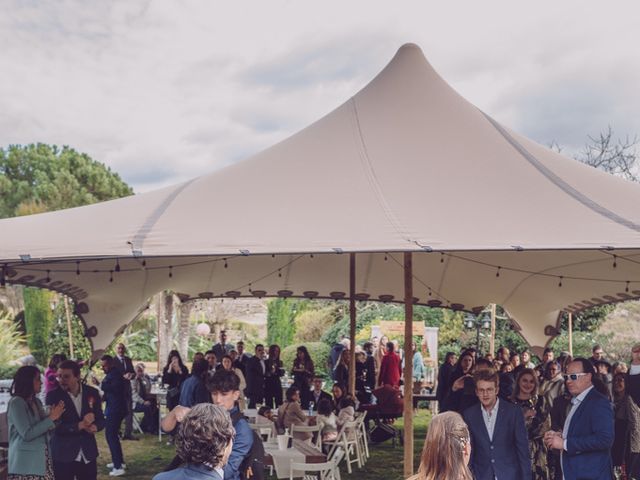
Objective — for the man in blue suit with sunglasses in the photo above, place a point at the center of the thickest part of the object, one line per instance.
(586, 439)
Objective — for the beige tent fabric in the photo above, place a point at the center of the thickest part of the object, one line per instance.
(404, 165)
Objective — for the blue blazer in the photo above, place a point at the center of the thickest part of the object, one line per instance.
(27, 437)
(189, 472)
(589, 440)
(67, 440)
(506, 457)
(115, 393)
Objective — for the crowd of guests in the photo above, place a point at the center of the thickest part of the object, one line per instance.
(564, 418)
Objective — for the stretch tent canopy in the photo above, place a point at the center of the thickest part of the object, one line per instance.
(406, 164)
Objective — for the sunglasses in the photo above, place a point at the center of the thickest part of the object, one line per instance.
(573, 376)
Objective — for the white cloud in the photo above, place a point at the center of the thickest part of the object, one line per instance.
(163, 91)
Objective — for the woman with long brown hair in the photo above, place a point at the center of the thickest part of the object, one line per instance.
(447, 449)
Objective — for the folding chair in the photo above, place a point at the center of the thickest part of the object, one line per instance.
(315, 429)
(348, 439)
(362, 435)
(262, 430)
(329, 470)
(136, 423)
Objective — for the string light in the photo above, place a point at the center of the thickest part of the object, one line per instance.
(615, 261)
(560, 282)
(226, 265)
(441, 257)
(386, 257)
(626, 289)
(48, 276)
(280, 273)
(77, 268)
(117, 268)
(171, 271)
(144, 263)
(111, 276)
(311, 255)
(498, 272)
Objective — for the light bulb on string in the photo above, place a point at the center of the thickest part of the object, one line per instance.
(226, 265)
(170, 271)
(48, 276)
(615, 261)
(77, 268)
(117, 267)
(386, 257)
(560, 282)
(626, 288)
(111, 276)
(441, 257)
(279, 273)
(498, 272)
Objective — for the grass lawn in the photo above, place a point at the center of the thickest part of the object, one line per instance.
(147, 456)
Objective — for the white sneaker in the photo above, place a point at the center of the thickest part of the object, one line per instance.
(116, 472)
(110, 466)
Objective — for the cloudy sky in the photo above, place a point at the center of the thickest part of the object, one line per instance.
(162, 91)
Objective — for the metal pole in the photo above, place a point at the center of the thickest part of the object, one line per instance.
(352, 323)
(408, 364)
(492, 340)
(570, 334)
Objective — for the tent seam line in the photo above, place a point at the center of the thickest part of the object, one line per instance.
(140, 237)
(559, 182)
(371, 175)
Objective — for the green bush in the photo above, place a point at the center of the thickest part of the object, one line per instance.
(319, 354)
(12, 342)
(38, 320)
(8, 371)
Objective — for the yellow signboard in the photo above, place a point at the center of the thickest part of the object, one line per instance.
(397, 327)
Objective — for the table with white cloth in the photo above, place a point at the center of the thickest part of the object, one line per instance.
(300, 452)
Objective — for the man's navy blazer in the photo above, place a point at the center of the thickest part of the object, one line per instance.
(67, 440)
(506, 457)
(589, 440)
(115, 393)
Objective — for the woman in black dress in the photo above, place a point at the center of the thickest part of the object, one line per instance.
(303, 372)
(272, 384)
(173, 374)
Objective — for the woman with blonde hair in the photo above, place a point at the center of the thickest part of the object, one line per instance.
(447, 449)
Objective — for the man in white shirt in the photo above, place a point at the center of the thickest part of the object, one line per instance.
(586, 439)
(73, 444)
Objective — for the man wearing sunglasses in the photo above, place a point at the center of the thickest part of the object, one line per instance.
(587, 436)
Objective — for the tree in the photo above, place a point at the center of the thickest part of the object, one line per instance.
(281, 315)
(40, 178)
(38, 322)
(618, 157)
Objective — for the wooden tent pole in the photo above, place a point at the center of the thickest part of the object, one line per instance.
(352, 323)
(67, 313)
(570, 334)
(408, 364)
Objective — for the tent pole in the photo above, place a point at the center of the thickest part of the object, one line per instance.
(492, 341)
(352, 323)
(67, 313)
(408, 364)
(570, 334)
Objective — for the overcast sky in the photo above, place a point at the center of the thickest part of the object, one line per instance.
(164, 91)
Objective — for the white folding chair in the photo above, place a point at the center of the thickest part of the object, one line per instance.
(362, 436)
(329, 470)
(314, 429)
(348, 440)
(263, 430)
(136, 422)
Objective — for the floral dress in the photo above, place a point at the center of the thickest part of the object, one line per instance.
(536, 428)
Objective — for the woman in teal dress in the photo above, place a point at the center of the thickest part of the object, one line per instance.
(29, 427)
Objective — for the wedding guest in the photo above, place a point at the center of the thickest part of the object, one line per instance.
(194, 389)
(173, 374)
(204, 443)
(620, 447)
(272, 383)
(73, 443)
(222, 348)
(447, 449)
(327, 420)
(341, 370)
(51, 373)
(115, 396)
(143, 401)
(633, 392)
(444, 374)
(290, 413)
(317, 394)
(29, 427)
(553, 385)
(124, 365)
(390, 368)
(212, 360)
(536, 415)
(227, 364)
(303, 372)
(255, 374)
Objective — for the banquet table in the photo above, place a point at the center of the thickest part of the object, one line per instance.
(300, 451)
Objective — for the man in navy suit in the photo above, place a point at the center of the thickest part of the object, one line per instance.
(587, 436)
(499, 445)
(115, 396)
(73, 443)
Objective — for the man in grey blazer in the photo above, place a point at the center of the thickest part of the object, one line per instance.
(499, 445)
